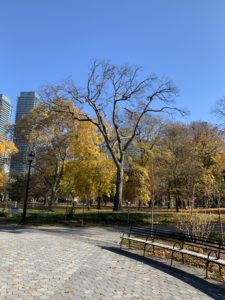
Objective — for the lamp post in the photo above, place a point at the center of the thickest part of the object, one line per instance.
(31, 156)
(219, 207)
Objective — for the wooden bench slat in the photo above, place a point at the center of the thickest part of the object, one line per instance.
(147, 236)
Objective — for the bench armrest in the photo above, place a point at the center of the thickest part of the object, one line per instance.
(214, 252)
(179, 244)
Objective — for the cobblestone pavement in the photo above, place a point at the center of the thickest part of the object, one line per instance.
(86, 263)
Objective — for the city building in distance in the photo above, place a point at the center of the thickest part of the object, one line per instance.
(5, 115)
(25, 103)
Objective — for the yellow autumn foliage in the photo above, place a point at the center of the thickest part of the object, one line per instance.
(6, 149)
(89, 172)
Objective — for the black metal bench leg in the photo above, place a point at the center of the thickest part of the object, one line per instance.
(153, 249)
(129, 244)
(206, 269)
(144, 249)
(220, 270)
(171, 262)
(182, 257)
(121, 244)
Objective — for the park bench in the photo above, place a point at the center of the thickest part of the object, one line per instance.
(211, 251)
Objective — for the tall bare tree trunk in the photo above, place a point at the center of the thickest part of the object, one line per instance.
(123, 90)
(119, 189)
(98, 202)
(168, 200)
(192, 204)
(152, 210)
(177, 199)
(52, 198)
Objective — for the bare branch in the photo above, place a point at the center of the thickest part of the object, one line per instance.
(114, 95)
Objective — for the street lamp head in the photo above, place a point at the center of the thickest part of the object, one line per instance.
(31, 156)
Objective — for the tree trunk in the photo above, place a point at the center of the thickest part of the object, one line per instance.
(139, 205)
(52, 198)
(168, 200)
(98, 202)
(119, 189)
(88, 204)
(177, 199)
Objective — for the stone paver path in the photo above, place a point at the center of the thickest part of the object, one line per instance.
(86, 263)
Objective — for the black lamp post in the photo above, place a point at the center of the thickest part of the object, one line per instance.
(31, 156)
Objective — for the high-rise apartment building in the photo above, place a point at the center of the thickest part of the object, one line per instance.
(25, 103)
(5, 115)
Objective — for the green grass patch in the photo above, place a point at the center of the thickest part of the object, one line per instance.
(93, 217)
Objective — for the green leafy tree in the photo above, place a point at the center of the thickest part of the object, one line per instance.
(16, 188)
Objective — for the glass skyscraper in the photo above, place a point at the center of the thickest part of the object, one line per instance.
(25, 103)
(5, 115)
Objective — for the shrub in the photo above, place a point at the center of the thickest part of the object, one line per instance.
(195, 224)
(4, 213)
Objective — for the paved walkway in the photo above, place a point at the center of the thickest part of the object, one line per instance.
(86, 263)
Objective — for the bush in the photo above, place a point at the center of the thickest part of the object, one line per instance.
(195, 224)
(4, 213)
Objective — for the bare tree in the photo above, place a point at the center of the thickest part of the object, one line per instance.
(115, 100)
(219, 111)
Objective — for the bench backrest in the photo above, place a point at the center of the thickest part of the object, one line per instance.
(199, 242)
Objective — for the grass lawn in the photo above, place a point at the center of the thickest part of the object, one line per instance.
(100, 217)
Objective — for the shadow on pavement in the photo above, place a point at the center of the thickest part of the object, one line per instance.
(12, 229)
(84, 231)
(208, 288)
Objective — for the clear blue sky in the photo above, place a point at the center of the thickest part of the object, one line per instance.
(44, 41)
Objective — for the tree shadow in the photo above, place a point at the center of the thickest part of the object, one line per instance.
(15, 229)
(80, 231)
(206, 287)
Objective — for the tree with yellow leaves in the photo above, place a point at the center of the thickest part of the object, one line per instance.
(50, 134)
(7, 149)
(181, 163)
(89, 172)
(208, 144)
(116, 95)
(142, 183)
(69, 156)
